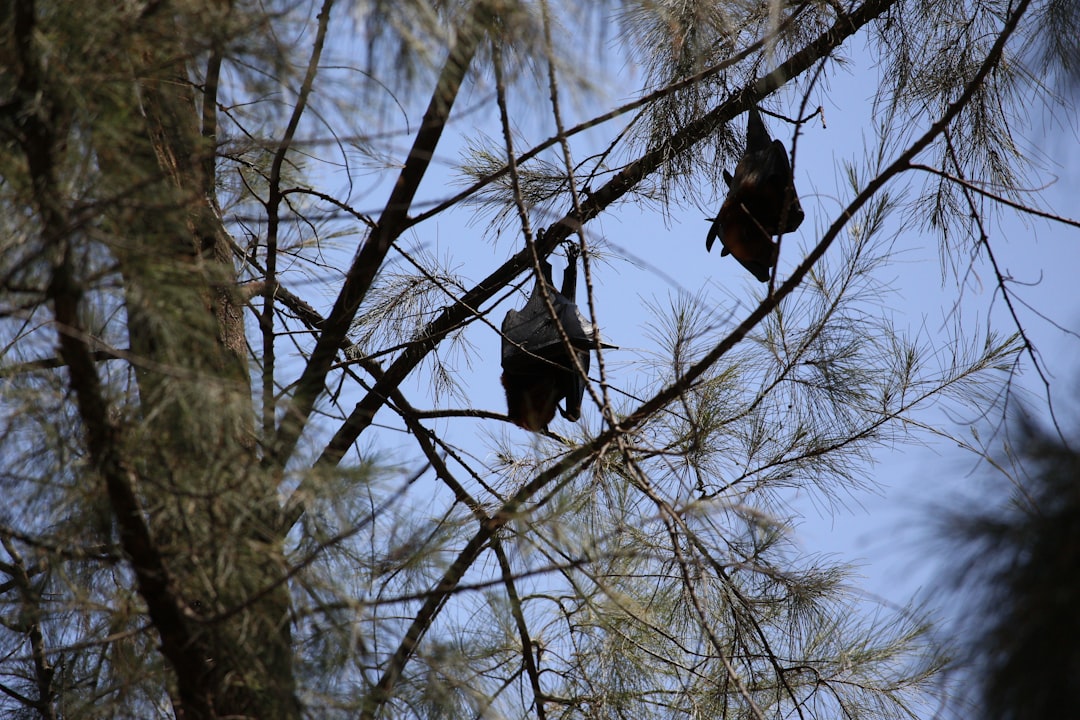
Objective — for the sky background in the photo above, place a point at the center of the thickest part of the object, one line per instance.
(652, 258)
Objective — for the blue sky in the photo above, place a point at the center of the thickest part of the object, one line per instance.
(652, 257)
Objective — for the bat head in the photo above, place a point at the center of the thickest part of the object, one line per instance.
(531, 399)
(747, 241)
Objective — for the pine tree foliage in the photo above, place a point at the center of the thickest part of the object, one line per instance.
(1014, 571)
(252, 254)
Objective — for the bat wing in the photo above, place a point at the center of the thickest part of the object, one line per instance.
(531, 331)
(578, 330)
(763, 184)
(513, 333)
(573, 388)
(524, 333)
(783, 182)
(715, 230)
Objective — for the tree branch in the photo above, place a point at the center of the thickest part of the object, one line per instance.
(163, 601)
(30, 601)
(40, 146)
(273, 202)
(523, 630)
(391, 224)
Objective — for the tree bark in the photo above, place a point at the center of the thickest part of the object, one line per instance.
(209, 508)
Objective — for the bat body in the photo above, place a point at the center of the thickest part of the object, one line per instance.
(761, 202)
(538, 370)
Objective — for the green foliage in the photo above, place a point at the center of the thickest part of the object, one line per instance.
(315, 513)
(1014, 569)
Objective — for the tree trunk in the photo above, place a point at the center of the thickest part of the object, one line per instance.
(209, 508)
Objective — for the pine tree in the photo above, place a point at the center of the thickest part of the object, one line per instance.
(247, 469)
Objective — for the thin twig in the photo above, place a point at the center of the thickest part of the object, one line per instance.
(606, 408)
(273, 202)
(523, 630)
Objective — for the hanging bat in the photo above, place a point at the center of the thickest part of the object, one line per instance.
(761, 202)
(538, 370)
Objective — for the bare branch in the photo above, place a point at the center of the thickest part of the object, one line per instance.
(390, 225)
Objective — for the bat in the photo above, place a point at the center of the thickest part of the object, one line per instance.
(538, 371)
(761, 202)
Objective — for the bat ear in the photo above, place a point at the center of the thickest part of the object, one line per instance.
(714, 232)
(781, 172)
(728, 179)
